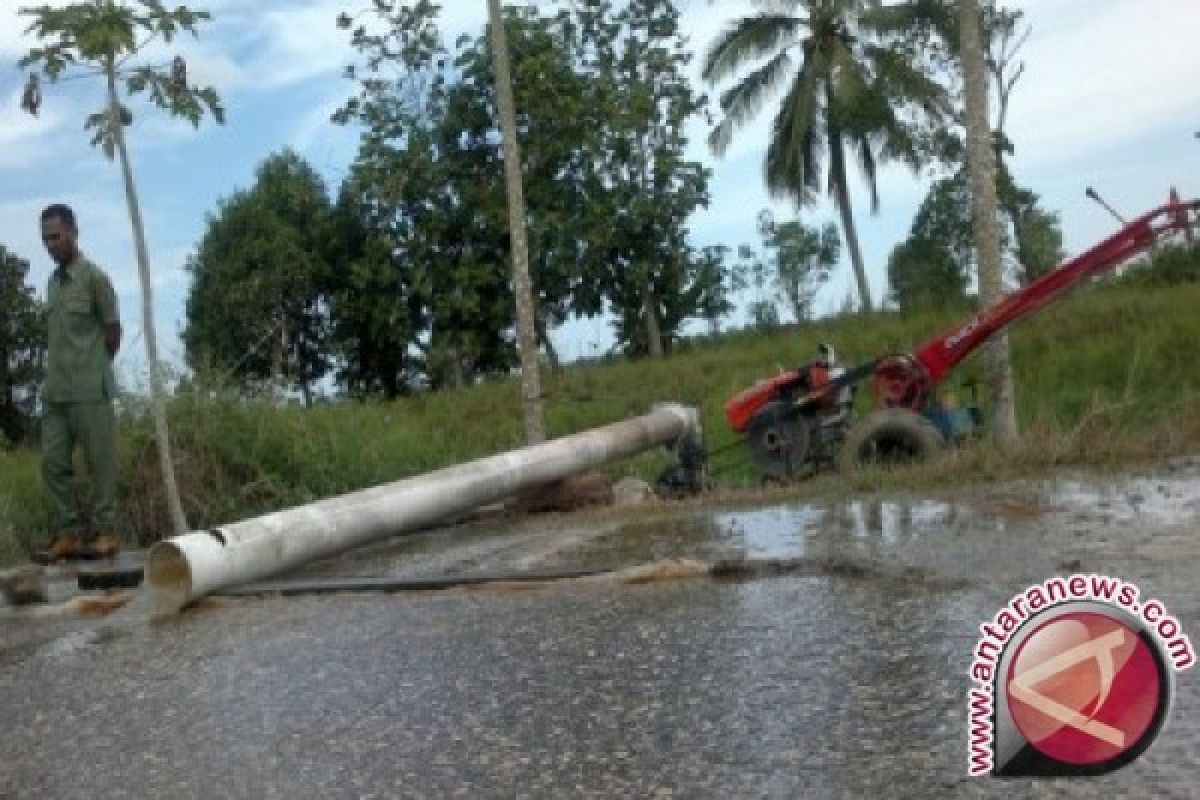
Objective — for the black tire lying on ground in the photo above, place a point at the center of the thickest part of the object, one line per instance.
(889, 436)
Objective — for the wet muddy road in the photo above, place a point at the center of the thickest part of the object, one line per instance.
(845, 680)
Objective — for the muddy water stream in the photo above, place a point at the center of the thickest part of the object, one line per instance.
(846, 678)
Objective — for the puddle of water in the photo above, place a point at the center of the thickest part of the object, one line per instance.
(771, 532)
(1168, 500)
(779, 532)
(894, 523)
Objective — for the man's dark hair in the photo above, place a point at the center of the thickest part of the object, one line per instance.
(63, 212)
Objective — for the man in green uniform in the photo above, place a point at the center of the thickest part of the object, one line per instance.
(84, 335)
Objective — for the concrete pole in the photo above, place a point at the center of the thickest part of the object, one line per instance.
(185, 568)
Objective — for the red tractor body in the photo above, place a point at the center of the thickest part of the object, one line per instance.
(782, 416)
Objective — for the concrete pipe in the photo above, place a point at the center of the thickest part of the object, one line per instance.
(185, 568)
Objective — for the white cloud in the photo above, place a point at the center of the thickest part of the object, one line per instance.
(1118, 71)
(23, 138)
(13, 44)
(298, 44)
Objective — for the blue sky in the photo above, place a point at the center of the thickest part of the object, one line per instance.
(1109, 100)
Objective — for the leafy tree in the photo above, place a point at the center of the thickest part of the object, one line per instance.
(103, 38)
(428, 183)
(717, 281)
(790, 264)
(934, 264)
(257, 308)
(923, 274)
(22, 346)
(803, 257)
(855, 90)
(1038, 236)
(754, 272)
(599, 114)
(375, 315)
(551, 123)
(642, 188)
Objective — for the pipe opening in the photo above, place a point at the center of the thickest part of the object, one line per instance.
(168, 577)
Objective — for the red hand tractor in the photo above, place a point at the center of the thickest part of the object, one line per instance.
(801, 419)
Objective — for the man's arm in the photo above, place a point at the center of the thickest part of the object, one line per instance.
(112, 339)
(106, 302)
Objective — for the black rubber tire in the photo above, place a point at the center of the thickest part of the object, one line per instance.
(788, 456)
(889, 436)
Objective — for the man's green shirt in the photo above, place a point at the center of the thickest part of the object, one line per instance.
(80, 302)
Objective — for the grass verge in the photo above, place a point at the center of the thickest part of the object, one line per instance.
(1107, 378)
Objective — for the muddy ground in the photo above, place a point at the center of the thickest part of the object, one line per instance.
(846, 677)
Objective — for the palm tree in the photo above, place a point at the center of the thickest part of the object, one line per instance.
(981, 162)
(852, 88)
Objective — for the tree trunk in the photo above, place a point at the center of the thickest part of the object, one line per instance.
(837, 162)
(654, 342)
(10, 418)
(278, 353)
(548, 343)
(522, 287)
(531, 385)
(158, 392)
(981, 162)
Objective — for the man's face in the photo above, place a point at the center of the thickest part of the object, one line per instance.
(59, 239)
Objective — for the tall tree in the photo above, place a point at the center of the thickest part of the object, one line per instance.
(104, 37)
(601, 106)
(932, 266)
(935, 263)
(526, 325)
(375, 314)
(257, 309)
(642, 186)
(981, 162)
(1039, 239)
(855, 92)
(551, 118)
(428, 188)
(1034, 236)
(716, 280)
(804, 258)
(22, 345)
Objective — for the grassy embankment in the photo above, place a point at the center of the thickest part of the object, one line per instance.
(1109, 376)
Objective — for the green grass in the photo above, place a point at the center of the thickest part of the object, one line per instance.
(1108, 376)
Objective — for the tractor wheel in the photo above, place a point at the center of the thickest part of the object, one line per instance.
(889, 436)
(780, 441)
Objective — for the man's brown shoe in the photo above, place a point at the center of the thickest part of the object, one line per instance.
(105, 546)
(24, 585)
(65, 547)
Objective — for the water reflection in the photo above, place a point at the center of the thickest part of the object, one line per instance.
(779, 532)
(1168, 500)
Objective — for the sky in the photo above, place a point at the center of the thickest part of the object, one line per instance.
(1109, 100)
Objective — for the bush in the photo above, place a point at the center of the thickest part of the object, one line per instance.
(1172, 265)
